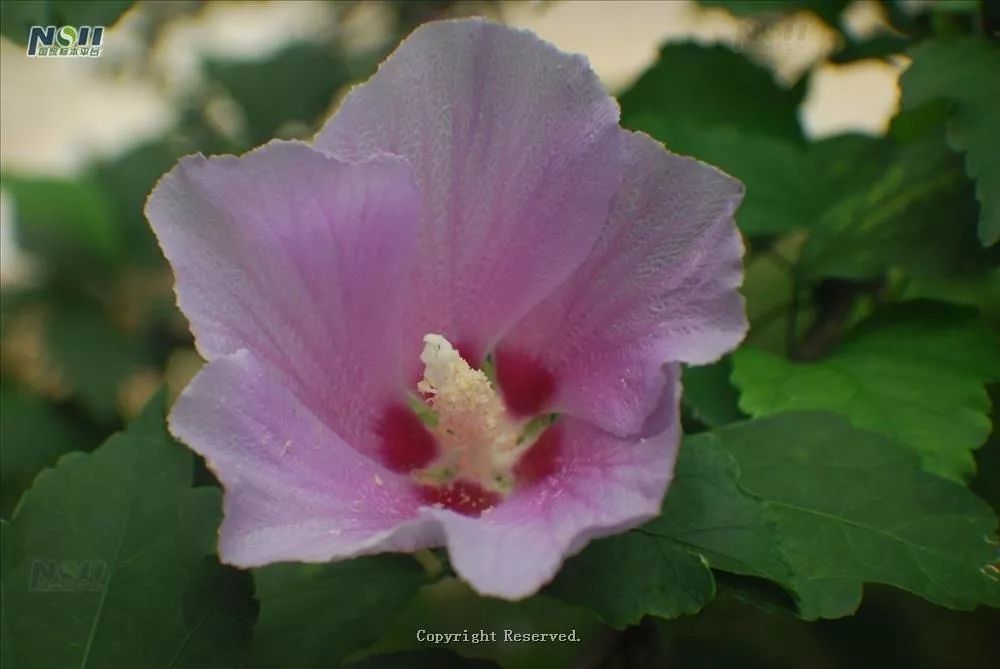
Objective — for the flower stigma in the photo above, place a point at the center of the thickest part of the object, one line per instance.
(480, 441)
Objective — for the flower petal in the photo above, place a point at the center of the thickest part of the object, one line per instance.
(595, 485)
(517, 154)
(659, 286)
(304, 261)
(294, 489)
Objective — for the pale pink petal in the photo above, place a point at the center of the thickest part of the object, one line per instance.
(659, 286)
(293, 489)
(304, 261)
(599, 485)
(516, 150)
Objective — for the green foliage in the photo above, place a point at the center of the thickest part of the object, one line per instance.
(664, 567)
(709, 395)
(99, 555)
(69, 224)
(684, 86)
(301, 81)
(126, 181)
(633, 575)
(882, 46)
(749, 128)
(828, 10)
(804, 501)
(907, 206)
(852, 508)
(915, 373)
(321, 614)
(219, 612)
(964, 72)
(33, 434)
(439, 659)
(93, 354)
(451, 605)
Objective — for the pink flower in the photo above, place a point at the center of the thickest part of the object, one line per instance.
(474, 206)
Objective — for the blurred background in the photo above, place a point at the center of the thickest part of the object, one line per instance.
(89, 326)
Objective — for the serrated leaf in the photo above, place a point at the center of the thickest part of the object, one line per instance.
(852, 507)
(964, 71)
(663, 568)
(635, 574)
(105, 545)
(914, 372)
(320, 614)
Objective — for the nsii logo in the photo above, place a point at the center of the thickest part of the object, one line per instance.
(49, 41)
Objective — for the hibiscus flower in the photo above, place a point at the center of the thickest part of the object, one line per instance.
(455, 319)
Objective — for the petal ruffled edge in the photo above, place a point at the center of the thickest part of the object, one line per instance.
(305, 261)
(603, 485)
(660, 286)
(293, 489)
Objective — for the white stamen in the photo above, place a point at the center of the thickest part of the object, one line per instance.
(479, 440)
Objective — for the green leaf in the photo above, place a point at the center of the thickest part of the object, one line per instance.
(906, 205)
(987, 481)
(17, 16)
(709, 395)
(964, 71)
(881, 46)
(33, 434)
(451, 605)
(298, 84)
(68, 224)
(828, 10)
(851, 507)
(979, 291)
(684, 86)
(219, 612)
(709, 514)
(629, 576)
(94, 355)
(126, 181)
(914, 372)
(320, 614)
(106, 544)
(782, 186)
(421, 659)
(748, 127)
(663, 567)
